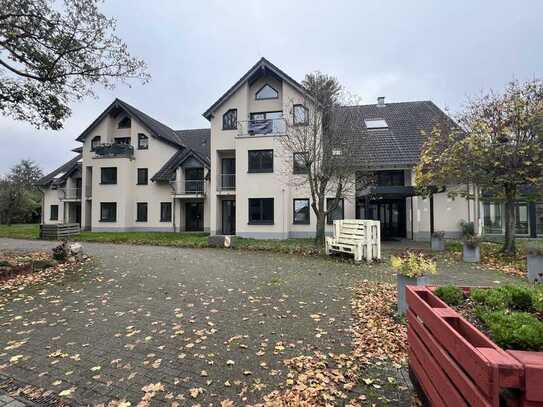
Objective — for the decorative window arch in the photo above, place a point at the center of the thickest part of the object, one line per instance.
(125, 123)
(266, 92)
(230, 120)
(143, 141)
(96, 140)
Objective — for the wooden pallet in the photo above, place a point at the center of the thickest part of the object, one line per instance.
(59, 231)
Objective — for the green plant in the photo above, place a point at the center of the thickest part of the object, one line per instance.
(514, 330)
(467, 228)
(521, 298)
(495, 298)
(451, 294)
(60, 252)
(413, 264)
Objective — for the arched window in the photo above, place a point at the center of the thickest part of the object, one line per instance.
(143, 142)
(230, 120)
(95, 142)
(266, 92)
(125, 123)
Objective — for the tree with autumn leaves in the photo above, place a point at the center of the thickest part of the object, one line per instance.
(496, 144)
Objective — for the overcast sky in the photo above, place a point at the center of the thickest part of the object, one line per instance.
(443, 51)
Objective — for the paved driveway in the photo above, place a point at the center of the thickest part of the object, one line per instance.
(216, 322)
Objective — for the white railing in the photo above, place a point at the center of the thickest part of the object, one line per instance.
(189, 187)
(266, 127)
(226, 182)
(69, 193)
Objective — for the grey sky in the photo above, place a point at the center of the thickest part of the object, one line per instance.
(404, 50)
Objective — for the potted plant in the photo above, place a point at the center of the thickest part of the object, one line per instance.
(413, 268)
(472, 250)
(438, 242)
(535, 262)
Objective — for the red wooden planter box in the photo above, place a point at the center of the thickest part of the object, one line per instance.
(456, 365)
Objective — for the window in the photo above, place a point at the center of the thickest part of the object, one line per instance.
(143, 142)
(125, 123)
(165, 211)
(108, 211)
(337, 213)
(301, 211)
(492, 218)
(266, 92)
(141, 212)
(521, 219)
(539, 218)
(298, 163)
(142, 176)
(122, 140)
(95, 142)
(54, 212)
(230, 120)
(299, 113)
(261, 211)
(260, 160)
(376, 124)
(266, 123)
(390, 178)
(108, 175)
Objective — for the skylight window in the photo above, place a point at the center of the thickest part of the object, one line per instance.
(376, 124)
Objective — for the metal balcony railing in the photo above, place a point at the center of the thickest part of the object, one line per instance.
(189, 187)
(269, 127)
(226, 182)
(114, 150)
(69, 193)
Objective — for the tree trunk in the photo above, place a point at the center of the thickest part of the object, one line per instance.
(509, 238)
(321, 226)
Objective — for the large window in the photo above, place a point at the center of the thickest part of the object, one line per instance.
(95, 142)
(298, 163)
(165, 211)
(143, 142)
(300, 116)
(390, 178)
(122, 140)
(143, 176)
(301, 211)
(125, 123)
(337, 213)
(141, 212)
(260, 160)
(108, 175)
(108, 211)
(53, 214)
(521, 219)
(266, 92)
(492, 218)
(261, 211)
(230, 120)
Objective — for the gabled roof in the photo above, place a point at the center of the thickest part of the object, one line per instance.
(398, 145)
(168, 170)
(263, 66)
(156, 128)
(62, 172)
(197, 140)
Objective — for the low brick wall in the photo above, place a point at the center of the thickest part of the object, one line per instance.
(456, 365)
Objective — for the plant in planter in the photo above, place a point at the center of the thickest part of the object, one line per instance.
(535, 262)
(413, 269)
(438, 241)
(472, 250)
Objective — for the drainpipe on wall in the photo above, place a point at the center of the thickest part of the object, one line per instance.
(284, 210)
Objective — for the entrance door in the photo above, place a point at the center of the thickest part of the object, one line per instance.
(391, 214)
(78, 213)
(228, 217)
(194, 216)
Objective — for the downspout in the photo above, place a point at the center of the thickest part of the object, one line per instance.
(412, 221)
(173, 214)
(431, 214)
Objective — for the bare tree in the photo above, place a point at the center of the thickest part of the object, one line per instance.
(322, 159)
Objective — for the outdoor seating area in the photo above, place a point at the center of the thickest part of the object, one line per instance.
(361, 238)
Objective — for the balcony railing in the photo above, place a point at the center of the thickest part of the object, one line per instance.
(189, 187)
(114, 150)
(69, 193)
(226, 182)
(266, 127)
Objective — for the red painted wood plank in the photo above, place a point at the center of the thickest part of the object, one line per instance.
(439, 379)
(533, 373)
(462, 381)
(425, 382)
(509, 370)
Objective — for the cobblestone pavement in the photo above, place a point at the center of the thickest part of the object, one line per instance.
(207, 324)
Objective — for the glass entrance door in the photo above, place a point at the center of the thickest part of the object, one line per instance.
(391, 214)
(194, 216)
(229, 217)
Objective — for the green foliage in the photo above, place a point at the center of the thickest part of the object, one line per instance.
(468, 229)
(60, 252)
(514, 330)
(413, 264)
(451, 294)
(493, 298)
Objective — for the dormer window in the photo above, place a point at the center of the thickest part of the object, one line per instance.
(266, 92)
(372, 124)
(95, 142)
(143, 142)
(125, 123)
(230, 120)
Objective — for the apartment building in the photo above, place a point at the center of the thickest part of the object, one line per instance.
(134, 173)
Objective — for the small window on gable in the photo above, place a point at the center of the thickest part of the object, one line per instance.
(95, 142)
(299, 113)
(266, 92)
(125, 123)
(143, 142)
(230, 120)
(376, 124)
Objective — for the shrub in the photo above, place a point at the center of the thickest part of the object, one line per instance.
(413, 264)
(60, 253)
(514, 330)
(451, 294)
(494, 298)
(467, 228)
(521, 298)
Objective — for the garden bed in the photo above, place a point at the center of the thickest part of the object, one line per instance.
(456, 364)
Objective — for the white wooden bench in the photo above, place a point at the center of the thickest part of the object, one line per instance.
(362, 238)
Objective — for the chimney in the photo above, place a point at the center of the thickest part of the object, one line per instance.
(381, 101)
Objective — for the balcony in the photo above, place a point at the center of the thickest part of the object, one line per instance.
(189, 188)
(226, 183)
(109, 150)
(69, 194)
(265, 127)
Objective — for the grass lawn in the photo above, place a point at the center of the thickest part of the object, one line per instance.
(20, 231)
